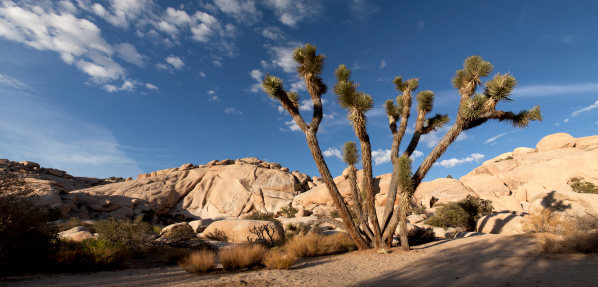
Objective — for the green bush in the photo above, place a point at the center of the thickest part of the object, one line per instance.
(75, 222)
(135, 235)
(91, 254)
(288, 211)
(268, 216)
(420, 235)
(462, 214)
(578, 185)
(27, 241)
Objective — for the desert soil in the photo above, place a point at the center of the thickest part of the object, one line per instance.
(488, 260)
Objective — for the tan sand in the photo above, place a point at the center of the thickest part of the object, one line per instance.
(489, 260)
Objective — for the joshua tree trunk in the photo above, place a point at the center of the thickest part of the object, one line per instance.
(314, 147)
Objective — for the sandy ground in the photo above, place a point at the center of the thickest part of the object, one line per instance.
(489, 260)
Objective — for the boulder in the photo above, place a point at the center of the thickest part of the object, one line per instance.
(568, 202)
(238, 231)
(187, 166)
(177, 228)
(30, 164)
(485, 185)
(587, 143)
(441, 190)
(523, 150)
(225, 162)
(78, 234)
(501, 223)
(507, 203)
(198, 226)
(555, 141)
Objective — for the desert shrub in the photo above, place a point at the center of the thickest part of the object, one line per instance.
(543, 220)
(265, 235)
(278, 260)
(184, 237)
(26, 238)
(135, 235)
(241, 256)
(199, 262)
(573, 242)
(172, 255)
(578, 185)
(418, 209)
(267, 216)
(217, 235)
(288, 211)
(462, 214)
(91, 254)
(420, 235)
(313, 244)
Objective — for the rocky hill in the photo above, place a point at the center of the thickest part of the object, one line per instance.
(515, 181)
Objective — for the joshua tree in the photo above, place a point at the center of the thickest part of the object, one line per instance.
(474, 110)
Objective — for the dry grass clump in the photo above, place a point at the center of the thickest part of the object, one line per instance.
(199, 262)
(573, 234)
(242, 256)
(90, 254)
(278, 260)
(312, 245)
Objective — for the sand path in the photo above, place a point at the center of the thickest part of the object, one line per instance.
(489, 260)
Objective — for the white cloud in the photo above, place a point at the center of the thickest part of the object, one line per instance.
(495, 138)
(129, 53)
(176, 62)
(232, 110)
(151, 87)
(282, 56)
(291, 13)
(416, 154)
(121, 12)
(585, 109)
(127, 85)
(257, 75)
(77, 41)
(382, 64)
(565, 120)
(381, 156)
(420, 25)
(330, 152)
(308, 105)
(214, 98)
(552, 90)
(449, 163)
(362, 9)
(242, 11)
(292, 125)
(202, 74)
(35, 130)
(280, 109)
(217, 63)
(433, 138)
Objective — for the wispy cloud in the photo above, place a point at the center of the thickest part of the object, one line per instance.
(449, 163)
(585, 109)
(382, 64)
(553, 90)
(495, 138)
(175, 61)
(232, 110)
(291, 13)
(35, 130)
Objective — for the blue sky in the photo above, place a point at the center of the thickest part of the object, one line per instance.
(122, 87)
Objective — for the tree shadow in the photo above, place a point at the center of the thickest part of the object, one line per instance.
(492, 261)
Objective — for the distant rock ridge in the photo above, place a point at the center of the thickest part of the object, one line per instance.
(516, 182)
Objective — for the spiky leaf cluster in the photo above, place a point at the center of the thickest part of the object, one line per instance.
(436, 122)
(392, 111)
(522, 119)
(400, 103)
(273, 86)
(500, 87)
(294, 97)
(408, 85)
(309, 62)
(348, 96)
(468, 78)
(425, 101)
(350, 153)
(473, 107)
(404, 174)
